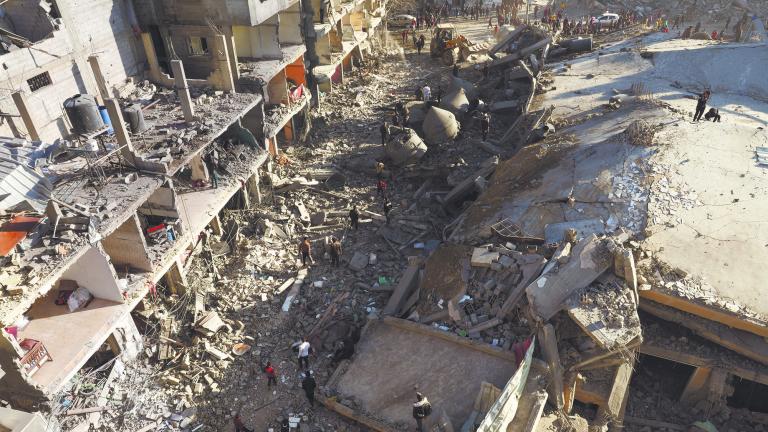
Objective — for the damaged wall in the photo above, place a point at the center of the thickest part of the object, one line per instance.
(102, 27)
(31, 19)
(94, 271)
(259, 42)
(14, 386)
(127, 248)
(290, 26)
(227, 12)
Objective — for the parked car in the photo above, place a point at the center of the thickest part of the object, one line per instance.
(401, 20)
(607, 19)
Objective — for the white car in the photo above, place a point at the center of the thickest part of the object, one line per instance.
(401, 21)
(607, 19)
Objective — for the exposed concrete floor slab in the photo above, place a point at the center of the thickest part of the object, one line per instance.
(719, 240)
(390, 361)
(70, 337)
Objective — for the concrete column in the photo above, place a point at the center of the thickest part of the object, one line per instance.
(154, 66)
(272, 146)
(21, 104)
(254, 188)
(245, 195)
(101, 82)
(182, 90)
(118, 124)
(175, 278)
(224, 64)
(199, 170)
(232, 51)
(215, 225)
(695, 389)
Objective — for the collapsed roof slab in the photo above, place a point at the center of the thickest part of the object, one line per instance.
(671, 342)
(394, 355)
(706, 219)
(167, 131)
(532, 189)
(747, 344)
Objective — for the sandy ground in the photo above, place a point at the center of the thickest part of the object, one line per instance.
(705, 207)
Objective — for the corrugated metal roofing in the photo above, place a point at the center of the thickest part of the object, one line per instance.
(19, 181)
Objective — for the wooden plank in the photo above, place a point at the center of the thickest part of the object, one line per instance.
(603, 355)
(742, 342)
(704, 311)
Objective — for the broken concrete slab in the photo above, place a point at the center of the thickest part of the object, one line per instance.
(359, 261)
(747, 344)
(483, 257)
(555, 233)
(407, 284)
(589, 259)
(295, 289)
(467, 186)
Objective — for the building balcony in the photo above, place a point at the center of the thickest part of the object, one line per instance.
(255, 74)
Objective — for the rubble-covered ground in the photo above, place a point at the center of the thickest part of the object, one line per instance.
(239, 278)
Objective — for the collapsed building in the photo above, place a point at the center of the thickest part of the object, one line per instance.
(533, 307)
(127, 114)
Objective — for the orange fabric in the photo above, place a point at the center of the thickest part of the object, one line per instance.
(11, 233)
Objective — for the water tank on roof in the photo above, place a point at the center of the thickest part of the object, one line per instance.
(83, 113)
(135, 118)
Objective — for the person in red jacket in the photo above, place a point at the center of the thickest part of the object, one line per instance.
(271, 375)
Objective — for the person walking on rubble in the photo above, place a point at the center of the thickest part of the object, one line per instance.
(387, 209)
(384, 129)
(212, 163)
(309, 385)
(420, 44)
(485, 124)
(354, 217)
(304, 349)
(335, 251)
(421, 410)
(305, 250)
(701, 105)
(381, 188)
(269, 370)
(239, 426)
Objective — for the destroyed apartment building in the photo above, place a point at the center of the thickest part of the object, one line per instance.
(134, 125)
(582, 268)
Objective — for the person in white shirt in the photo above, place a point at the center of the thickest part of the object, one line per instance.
(427, 92)
(304, 348)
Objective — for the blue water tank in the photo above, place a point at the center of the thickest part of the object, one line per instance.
(105, 117)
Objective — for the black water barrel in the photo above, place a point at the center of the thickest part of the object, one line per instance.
(83, 113)
(135, 118)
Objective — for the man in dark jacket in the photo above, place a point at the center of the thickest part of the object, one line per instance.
(421, 410)
(309, 385)
(354, 217)
(701, 105)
